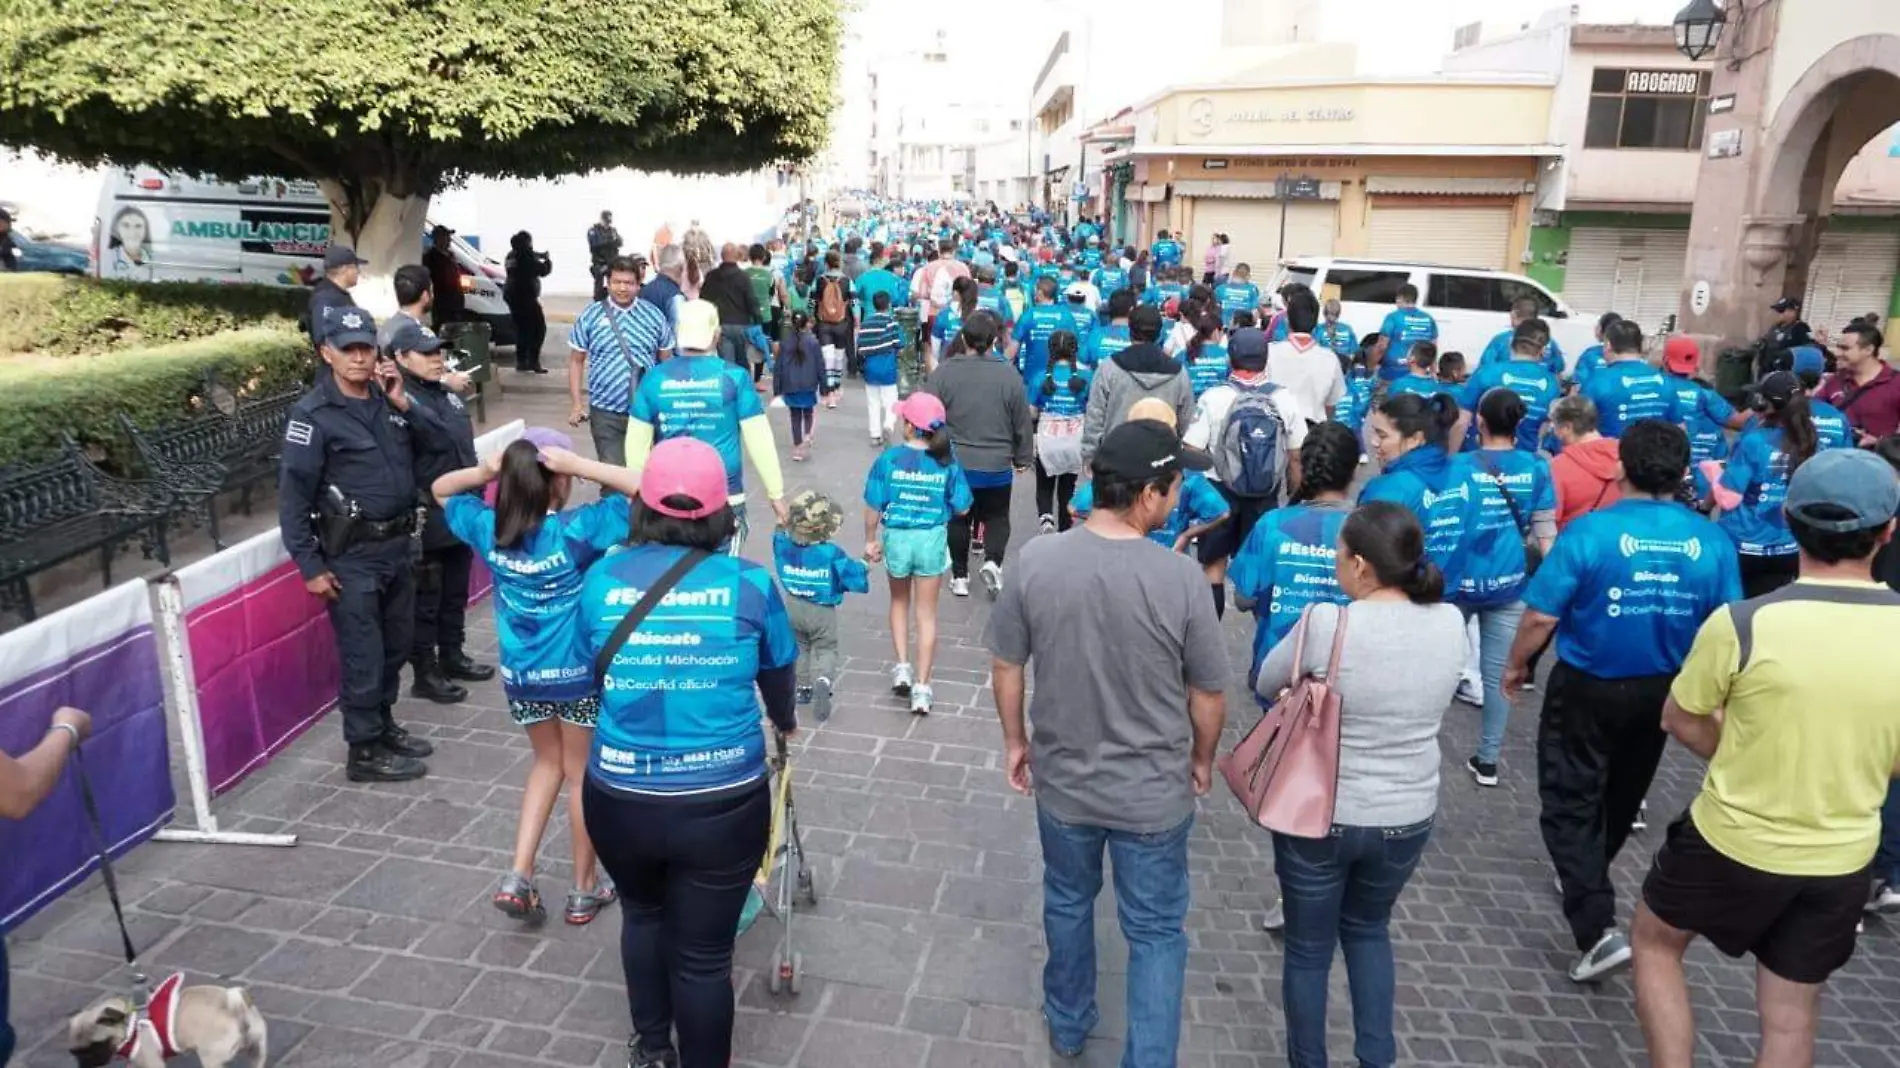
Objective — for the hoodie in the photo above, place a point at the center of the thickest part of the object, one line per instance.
(1138, 371)
(1585, 474)
(1436, 487)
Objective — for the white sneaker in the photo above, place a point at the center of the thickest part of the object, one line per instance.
(1275, 919)
(1884, 898)
(959, 587)
(920, 699)
(1046, 524)
(1641, 822)
(1469, 694)
(900, 680)
(821, 699)
(992, 578)
(1611, 952)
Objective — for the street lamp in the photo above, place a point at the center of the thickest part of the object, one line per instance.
(1699, 28)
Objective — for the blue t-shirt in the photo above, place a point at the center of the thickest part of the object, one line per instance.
(1085, 324)
(880, 280)
(1758, 470)
(1830, 425)
(1628, 390)
(1108, 278)
(1353, 404)
(1705, 415)
(538, 592)
(1199, 503)
(1423, 385)
(1339, 337)
(1538, 387)
(1064, 392)
(1237, 297)
(1286, 565)
(947, 323)
(1499, 350)
(1631, 584)
(821, 573)
(1492, 566)
(707, 640)
(1207, 370)
(992, 299)
(701, 397)
(1032, 335)
(912, 491)
(1435, 488)
(1091, 258)
(1589, 362)
(1104, 343)
(1166, 253)
(1403, 328)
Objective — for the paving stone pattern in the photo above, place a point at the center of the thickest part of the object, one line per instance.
(373, 943)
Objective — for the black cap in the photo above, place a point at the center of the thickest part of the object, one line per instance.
(1775, 390)
(1145, 319)
(1143, 448)
(342, 256)
(1248, 347)
(1786, 304)
(347, 326)
(5, 215)
(412, 336)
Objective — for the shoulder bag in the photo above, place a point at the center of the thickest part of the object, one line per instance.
(639, 612)
(1286, 770)
(1533, 549)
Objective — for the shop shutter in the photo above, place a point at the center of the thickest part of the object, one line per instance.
(1253, 229)
(1852, 274)
(1636, 273)
(1475, 235)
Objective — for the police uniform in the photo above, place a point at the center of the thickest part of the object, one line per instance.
(1774, 349)
(327, 294)
(442, 579)
(347, 474)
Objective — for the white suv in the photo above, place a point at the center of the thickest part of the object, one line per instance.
(1472, 305)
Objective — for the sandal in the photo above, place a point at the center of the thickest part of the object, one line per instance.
(584, 905)
(517, 898)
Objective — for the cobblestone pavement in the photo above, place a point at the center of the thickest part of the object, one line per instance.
(372, 942)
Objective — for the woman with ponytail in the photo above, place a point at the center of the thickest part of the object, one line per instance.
(1205, 354)
(1410, 434)
(1400, 663)
(1750, 490)
(539, 556)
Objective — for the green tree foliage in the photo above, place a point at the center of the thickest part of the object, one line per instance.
(398, 98)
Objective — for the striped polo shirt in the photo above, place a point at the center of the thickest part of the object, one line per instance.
(617, 340)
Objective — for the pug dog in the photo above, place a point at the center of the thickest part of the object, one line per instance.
(215, 1022)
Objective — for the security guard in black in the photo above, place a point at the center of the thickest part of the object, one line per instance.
(347, 509)
(442, 580)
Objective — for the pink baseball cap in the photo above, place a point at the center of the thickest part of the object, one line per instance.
(921, 410)
(684, 467)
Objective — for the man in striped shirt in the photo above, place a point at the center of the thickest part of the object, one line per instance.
(879, 341)
(613, 343)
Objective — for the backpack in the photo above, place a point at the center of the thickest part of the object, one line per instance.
(831, 301)
(1250, 452)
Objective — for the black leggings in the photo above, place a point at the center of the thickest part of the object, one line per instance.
(1766, 574)
(802, 419)
(683, 867)
(991, 509)
(1053, 493)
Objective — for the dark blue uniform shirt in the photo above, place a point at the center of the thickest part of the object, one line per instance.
(433, 459)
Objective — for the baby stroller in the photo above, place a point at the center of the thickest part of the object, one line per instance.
(794, 890)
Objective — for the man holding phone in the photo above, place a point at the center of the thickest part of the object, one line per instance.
(347, 509)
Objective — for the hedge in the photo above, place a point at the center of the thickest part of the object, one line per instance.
(63, 316)
(83, 395)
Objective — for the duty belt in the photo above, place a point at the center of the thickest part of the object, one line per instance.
(383, 529)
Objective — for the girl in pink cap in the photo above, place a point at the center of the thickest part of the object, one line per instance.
(910, 495)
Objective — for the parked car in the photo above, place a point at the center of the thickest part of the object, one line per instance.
(49, 257)
(156, 226)
(1471, 304)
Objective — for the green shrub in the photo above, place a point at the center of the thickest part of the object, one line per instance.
(83, 395)
(64, 316)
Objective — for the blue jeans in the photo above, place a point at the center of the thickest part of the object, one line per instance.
(1151, 900)
(1497, 628)
(1887, 857)
(1339, 891)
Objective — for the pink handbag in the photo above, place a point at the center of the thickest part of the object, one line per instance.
(1286, 770)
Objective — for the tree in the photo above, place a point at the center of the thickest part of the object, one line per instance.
(386, 102)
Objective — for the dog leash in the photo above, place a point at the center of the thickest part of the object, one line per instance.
(105, 871)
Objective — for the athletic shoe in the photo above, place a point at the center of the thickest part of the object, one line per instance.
(1641, 822)
(1482, 773)
(1275, 919)
(1884, 897)
(640, 1057)
(1469, 694)
(920, 699)
(803, 695)
(900, 680)
(1363, 458)
(1046, 524)
(877, 443)
(517, 899)
(959, 587)
(976, 542)
(992, 578)
(821, 699)
(1611, 952)
(584, 905)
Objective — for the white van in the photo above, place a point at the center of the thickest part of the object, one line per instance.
(1472, 305)
(156, 226)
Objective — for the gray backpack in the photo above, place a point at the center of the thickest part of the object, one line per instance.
(1250, 452)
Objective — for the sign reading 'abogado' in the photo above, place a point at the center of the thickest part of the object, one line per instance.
(1663, 82)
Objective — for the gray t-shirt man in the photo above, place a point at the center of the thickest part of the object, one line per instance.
(1118, 629)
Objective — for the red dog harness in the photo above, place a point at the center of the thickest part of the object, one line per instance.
(155, 1021)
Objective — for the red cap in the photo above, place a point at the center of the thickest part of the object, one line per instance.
(684, 467)
(1682, 355)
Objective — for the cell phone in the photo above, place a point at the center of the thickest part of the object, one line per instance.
(470, 371)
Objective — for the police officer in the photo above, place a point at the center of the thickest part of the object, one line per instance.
(1788, 332)
(341, 269)
(442, 578)
(347, 508)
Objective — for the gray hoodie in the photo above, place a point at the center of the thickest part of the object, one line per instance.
(987, 412)
(1138, 371)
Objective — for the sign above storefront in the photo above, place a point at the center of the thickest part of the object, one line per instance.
(1663, 82)
(1203, 115)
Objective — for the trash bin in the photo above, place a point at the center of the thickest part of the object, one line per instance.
(1734, 373)
(471, 351)
(910, 364)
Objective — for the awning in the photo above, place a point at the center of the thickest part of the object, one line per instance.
(1428, 185)
(1146, 193)
(1199, 187)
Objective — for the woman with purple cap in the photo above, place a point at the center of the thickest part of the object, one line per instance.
(539, 555)
(686, 641)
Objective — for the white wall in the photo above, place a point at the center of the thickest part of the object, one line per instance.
(54, 199)
(1808, 30)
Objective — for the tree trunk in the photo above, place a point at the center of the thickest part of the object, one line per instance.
(385, 230)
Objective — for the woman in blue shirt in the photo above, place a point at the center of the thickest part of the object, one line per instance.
(1409, 434)
(1204, 357)
(1755, 483)
(945, 327)
(1287, 563)
(539, 556)
(676, 797)
(1515, 507)
(1061, 402)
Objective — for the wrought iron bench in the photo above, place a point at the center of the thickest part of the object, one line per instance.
(215, 453)
(63, 509)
